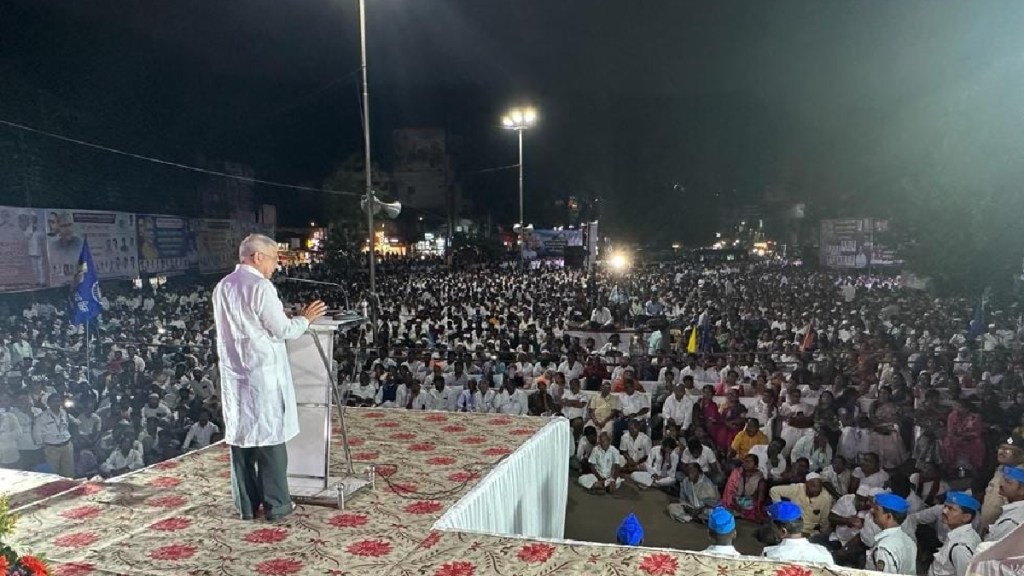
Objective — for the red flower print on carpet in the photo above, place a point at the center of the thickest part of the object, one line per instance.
(403, 487)
(499, 421)
(536, 552)
(659, 565)
(374, 415)
(171, 524)
(473, 440)
(348, 520)
(168, 501)
(436, 418)
(522, 432)
(423, 507)
(422, 447)
(165, 482)
(87, 489)
(279, 567)
(388, 424)
(402, 436)
(464, 476)
(497, 451)
(173, 552)
(75, 540)
(453, 428)
(266, 536)
(373, 548)
(54, 488)
(792, 570)
(82, 513)
(458, 568)
(365, 456)
(386, 470)
(223, 457)
(168, 465)
(355, 441)
(431, 541)
(441, 461)
(73, 569)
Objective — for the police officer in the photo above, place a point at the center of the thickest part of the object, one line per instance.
(958, 514)
(894, 551)
(722, 532)
(788, 524)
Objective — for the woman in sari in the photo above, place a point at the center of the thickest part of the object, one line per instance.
(707, 412)
(734, 419)
(885, 439)
(963, 444)
(746, 491)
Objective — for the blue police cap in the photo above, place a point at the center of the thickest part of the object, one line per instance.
(784, 511)
(963, 500)
(630, 532)
(892, 502)
(1014, 473)
(721, 521)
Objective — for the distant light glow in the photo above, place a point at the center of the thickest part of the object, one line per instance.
(618, 261)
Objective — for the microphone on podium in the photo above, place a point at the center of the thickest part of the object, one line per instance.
(348, 308)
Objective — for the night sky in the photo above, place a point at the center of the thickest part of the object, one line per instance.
(666, 110)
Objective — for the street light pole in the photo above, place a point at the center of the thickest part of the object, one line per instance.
(369, 202)
(522, 221)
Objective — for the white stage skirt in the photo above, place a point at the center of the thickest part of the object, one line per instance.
(524, 495)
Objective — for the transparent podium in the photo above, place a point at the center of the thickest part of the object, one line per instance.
(319, 399)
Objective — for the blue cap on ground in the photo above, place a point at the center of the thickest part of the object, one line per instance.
(784, 511)
(1014, 473)
(721, 521)
(630, 532)
(963, 500)
(892, 502)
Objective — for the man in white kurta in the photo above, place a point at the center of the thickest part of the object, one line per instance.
(256, 381)
(604, 467)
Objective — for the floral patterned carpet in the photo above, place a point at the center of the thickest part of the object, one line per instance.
(177, 518)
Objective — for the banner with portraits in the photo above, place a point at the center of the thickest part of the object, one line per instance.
(217, 241)
(111, 237)
(22, 249)
(550, 243)
(167, 244)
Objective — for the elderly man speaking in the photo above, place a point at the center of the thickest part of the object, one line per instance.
(258, 397)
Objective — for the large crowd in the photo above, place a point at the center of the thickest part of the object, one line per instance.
(887, 428)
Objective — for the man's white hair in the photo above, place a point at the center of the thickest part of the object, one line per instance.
(254, 243)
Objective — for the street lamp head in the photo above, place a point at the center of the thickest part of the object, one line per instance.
(519, 118)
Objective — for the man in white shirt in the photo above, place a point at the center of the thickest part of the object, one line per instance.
(604, 467)
(574, 406)
(962, 541)
(793, 547)
(466, 401)
(1012, 489)
(29, 447)
(439, 397)
(154, 408)
(722, 532)
(411, 397)
(125, 459)
(52, 431)
(255, 377)
(572, 368)
(894, 551)
(636, 447)
(510, 400)
(702, 456)
(869, 473)
(678, 409)
(201, 432)
(484, 396)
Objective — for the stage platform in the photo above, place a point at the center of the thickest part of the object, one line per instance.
(434, 470)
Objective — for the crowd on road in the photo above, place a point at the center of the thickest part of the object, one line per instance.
(844, 414)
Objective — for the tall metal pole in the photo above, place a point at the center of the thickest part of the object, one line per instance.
(522, 222)
(366, 147)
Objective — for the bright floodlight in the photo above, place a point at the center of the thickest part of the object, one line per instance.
(519, 118)
(618, 261)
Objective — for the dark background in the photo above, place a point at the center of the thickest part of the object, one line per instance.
(670, 112)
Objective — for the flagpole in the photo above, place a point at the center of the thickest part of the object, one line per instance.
(88, 356)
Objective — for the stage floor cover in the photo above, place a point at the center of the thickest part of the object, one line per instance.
(176, 517)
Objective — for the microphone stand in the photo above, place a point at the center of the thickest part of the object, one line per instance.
(340, 287)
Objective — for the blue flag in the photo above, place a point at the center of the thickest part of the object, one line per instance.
(977, 327)
(85, 295)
